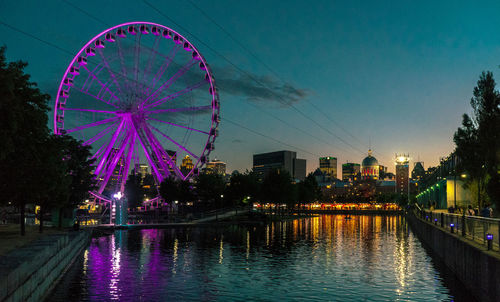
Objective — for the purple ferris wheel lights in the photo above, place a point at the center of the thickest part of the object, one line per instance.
(123, 80)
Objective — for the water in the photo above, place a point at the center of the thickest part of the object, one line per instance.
(326, 258)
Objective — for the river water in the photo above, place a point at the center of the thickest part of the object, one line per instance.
(325, 258)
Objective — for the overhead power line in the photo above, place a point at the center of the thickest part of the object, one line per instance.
(257, 107)
(35, 37)
(284, 102)
(227, 120)
(251, 53)
(268, 137)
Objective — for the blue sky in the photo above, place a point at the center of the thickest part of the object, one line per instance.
(398, 74)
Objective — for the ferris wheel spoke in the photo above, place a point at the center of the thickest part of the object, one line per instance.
(128, 160)
(177, 94)
(164, 66)
(162, 154)
(113, 163)
(147, 150)
(89, 110)
(111, 73)
(137, 48)
(95, 97)
(152, 57)
(104, 86)
(182, 109)
(176, 125)
(109, 147)
(173, 141)
(123, 65)
(98, 153)
(99, 135)
(170, 81)
(109, 120)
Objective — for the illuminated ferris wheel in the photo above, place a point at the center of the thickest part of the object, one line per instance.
(139, 92)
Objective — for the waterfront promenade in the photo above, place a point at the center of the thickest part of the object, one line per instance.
(467, 246)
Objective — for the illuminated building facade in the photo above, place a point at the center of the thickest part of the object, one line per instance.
(328, 165)
(187, 164)
(350, 171)
(216, 167)
(402, 174)
(370, 167)
(282, 160)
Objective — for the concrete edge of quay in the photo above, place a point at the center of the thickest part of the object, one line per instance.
(30, 272)
(476, 267)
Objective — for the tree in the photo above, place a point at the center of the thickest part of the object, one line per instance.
(478, 139)
(209, 188)
(309, 190)
(23, 131)
(53, 187)
(170, 190)
(277, 188)
(133, 190)
(176, 190)
(79, 166)
(242, 188)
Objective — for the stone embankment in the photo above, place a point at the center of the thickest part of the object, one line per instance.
(476, 267)
(30, 272)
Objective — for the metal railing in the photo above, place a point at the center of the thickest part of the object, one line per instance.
(478, 229)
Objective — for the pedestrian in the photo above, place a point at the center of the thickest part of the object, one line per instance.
(470, 211)
(486, 211)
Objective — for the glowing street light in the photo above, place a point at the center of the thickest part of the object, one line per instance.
(118, 195)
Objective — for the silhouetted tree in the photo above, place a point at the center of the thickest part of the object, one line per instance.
(277, 188)
(209, 188)
(133, 190)
(242, 187)
(23, 131)
(478, 139)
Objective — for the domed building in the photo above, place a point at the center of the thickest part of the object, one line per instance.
(369, 167)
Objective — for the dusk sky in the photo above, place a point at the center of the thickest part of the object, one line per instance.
(338, 75)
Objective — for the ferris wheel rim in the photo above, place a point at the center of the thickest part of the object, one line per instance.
(215, 105)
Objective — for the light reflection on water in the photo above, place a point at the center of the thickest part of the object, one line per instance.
(325, 258)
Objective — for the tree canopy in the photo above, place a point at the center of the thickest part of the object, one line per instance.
(478, 139)
(37, 167)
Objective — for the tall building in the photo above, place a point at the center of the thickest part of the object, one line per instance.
(350, 171)
(143, 169)
(370, 167)
(402, 174)
(165, 162)
(114, 180)
(187, 164)
(281, 160)
(328, 165)
(216, 167)
(173, 157)
(418, 171)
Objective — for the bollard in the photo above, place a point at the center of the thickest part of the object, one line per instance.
(452, 226)
(489, 238)
(442, 220)
(435, 221)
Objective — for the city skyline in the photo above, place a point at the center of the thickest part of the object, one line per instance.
(396, 78)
